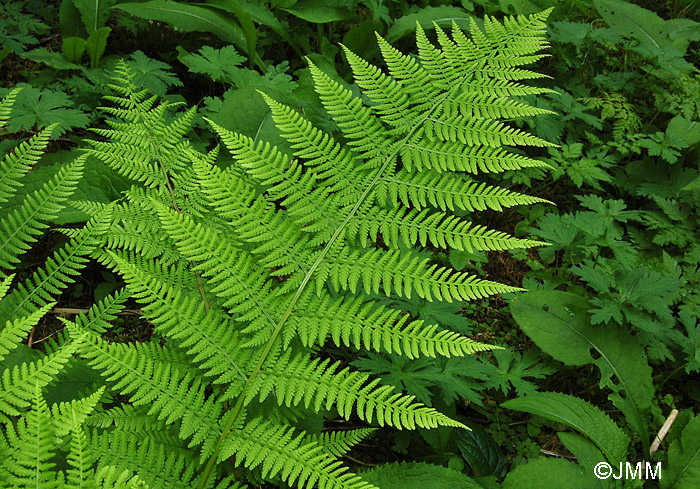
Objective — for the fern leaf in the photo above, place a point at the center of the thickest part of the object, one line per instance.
(447, 192)
(296, 378)
(435, 228)
(15, 330)
(172, 392)
(17, 163)
(159, 465)
(34, 446)
(379, 271)
(365, 324)
(19, 383)
(280, 451)
(247, 291)
(21, 226)
(338, 443)
(59, 271)
(185, 319)
(6, 105)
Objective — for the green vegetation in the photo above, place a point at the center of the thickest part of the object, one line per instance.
(349, 244)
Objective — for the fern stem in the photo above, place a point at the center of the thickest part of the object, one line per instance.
(278, 327)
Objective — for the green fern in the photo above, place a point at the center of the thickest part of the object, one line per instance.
(32, 434)
(245, 271)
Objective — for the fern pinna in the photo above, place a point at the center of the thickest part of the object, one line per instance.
(245, 271)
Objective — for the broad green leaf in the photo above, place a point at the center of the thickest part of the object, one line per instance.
(682, 471)
(417, 476)
(654, 36)
(96, 44)
(73, 48)
(682, 129)
(552, 473)
(69, 21)
(480, 451)
(442, 16)
(55, 60)
(40, 108)
(319, 11)
(94, 12)
(4, 52)
(152, 74)
(189, 18)
(215, 63)
(635, 22)
(587, 455)
(579, 415)
(559, 323)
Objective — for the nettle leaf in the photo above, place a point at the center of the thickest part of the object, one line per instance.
(570, 32)
(480, 451)
(579, 415)
(559, 323)
(37, 109)
(218, 64)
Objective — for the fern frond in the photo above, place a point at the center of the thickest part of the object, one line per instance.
(376, 271)
(68, 418)
(424, 227)
(110, 478)
(60, 271)
(441, 156)
(322, 384)
(16, 329)
(339, 443)
(279, 450)
(447, 192)
(6, 105)
(306, 203)
(19, 383)
(365, 134)
(282, 244)
(173, 393)
(20, 227)
(247, 291)
(185, 318)
(161, 466)
(356, 322)
(34, 447)
(18, 162)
